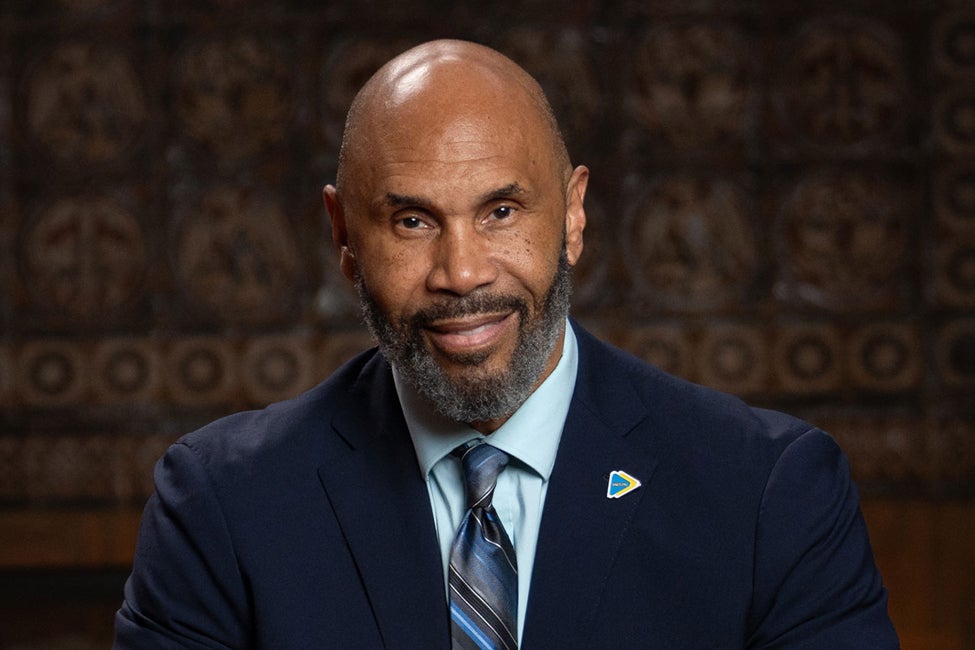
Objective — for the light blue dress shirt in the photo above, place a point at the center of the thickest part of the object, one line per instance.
(530, 436)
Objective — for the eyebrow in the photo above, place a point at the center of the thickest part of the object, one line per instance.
(510, 190)
(394, 200)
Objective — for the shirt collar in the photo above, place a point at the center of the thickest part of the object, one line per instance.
(531, 434)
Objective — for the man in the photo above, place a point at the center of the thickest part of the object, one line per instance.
(630, 508)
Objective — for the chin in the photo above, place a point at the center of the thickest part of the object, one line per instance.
(466, 370)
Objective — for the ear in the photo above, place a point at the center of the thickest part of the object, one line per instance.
(340, 233)
(575, 213)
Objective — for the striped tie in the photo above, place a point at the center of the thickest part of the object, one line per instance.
(483, 575)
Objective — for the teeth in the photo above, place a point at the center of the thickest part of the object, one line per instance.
(472, 332)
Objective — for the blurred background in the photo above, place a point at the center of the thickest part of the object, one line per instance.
(782, 206)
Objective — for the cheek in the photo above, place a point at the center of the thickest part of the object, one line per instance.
(534, 261)
(395, 278)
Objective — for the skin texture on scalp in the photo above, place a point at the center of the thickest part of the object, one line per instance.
(457, 216)
(407, 72)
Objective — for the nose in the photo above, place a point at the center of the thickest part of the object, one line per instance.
(462, 261)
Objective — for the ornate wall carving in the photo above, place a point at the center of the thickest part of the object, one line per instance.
(782, 206)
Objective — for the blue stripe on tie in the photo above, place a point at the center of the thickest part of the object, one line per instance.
(483, 575)
(464, 621)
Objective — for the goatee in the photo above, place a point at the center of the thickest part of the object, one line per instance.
(480, 395)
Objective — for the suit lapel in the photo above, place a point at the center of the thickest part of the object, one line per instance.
(581, 528)
(383, 508)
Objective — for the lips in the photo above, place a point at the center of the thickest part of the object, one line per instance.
(470, 334)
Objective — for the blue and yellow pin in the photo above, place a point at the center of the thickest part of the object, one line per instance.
(621, 483)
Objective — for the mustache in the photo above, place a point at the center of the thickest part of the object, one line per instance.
(469, 305)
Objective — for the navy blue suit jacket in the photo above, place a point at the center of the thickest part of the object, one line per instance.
(308, 525)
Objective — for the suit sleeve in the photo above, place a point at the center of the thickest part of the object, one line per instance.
(185, 590)
(816, 583)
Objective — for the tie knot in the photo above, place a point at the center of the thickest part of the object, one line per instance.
(482, 464)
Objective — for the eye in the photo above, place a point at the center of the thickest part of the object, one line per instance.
(411, 222)
(503, 212)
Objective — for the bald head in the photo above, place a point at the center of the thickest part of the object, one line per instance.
(441, 83)
(457, 216)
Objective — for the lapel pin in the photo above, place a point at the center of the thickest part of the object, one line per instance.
(621, 483)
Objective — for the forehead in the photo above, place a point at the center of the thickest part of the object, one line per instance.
(456, 153)
(459, 140)
(448, 122)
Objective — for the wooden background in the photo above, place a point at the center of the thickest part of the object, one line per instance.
(782, 206)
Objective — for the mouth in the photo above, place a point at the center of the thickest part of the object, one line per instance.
(471, 334)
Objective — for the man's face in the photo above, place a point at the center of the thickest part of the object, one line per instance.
(459, 237)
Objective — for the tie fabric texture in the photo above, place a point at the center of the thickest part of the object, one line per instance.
(483, 575)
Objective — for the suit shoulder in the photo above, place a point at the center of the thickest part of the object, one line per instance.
(294, 426)
(676, 410)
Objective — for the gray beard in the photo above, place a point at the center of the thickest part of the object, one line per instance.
(480, 396)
